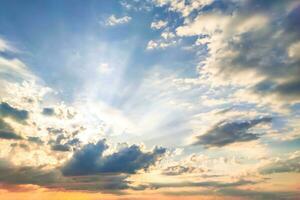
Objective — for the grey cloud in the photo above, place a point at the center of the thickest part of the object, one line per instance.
(281, 166)
(8, 111)
(9, 135)
(287, 90)
(90, 160)
(61, 147)
(6, 132)
(13, 175)
(36, 140)
(48, 111)
(210, 184)
(225, 133)
(179, 169)
(52, 130)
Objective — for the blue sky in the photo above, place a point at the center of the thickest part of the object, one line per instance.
(155, 97)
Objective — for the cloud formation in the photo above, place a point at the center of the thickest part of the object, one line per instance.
(90, 160)
(6, 132)
(113, 20)
(7, 110)
(225, 133)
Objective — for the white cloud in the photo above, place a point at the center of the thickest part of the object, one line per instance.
(113, 20)
(182, 7)
(158, 44)
(159, 24)
(5, 46)
(294, 51)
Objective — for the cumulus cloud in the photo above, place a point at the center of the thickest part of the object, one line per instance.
(247, 46)
(227, 132)
(90, 160)
(113, 20)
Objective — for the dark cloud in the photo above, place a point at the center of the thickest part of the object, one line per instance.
(12, 176)
(48, 111)
(8, 111)
(225, 133)
(90, 160)
(287, 90)
(210, 184)
(61, 147)
(21, 145)
(178, 170)
(36, 140)
(52, 130)
(6, 132)
(281, 166)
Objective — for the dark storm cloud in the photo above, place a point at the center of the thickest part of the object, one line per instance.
(48, 111)
(90, 160)
(8, 111)
(281, 166)
(225, 133)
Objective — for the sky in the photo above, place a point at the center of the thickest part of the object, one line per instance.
(149, 99)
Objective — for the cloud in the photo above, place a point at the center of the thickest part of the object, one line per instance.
(8, 111)
(225, 133)
(12, 174)
(159, 24)
(183, 7)
(6, 132)
(36, 140)
(160, 44)
(90, 160)
(52, 178)
(113, 20)
(246, 46)
(179, 170)
(61, 147)
(210, 184)
(9, 135)
(5, 46)
(48, 111)
(290, 164)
